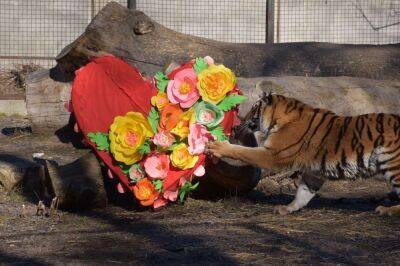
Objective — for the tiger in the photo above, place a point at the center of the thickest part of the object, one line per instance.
(318, 144)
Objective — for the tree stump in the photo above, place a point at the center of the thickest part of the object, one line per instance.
(77, 185)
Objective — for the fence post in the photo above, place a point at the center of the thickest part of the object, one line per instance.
(132, 4)
(270, 21)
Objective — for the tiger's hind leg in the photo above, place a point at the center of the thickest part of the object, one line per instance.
(306, 191)
(394, 210)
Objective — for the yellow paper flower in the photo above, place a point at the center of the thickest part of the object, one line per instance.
(181, 158)
(127, 134)
(182, 128)
(160, 100)
(215, 82)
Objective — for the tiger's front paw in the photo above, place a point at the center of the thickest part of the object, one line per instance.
(219, 149)
(388, 211)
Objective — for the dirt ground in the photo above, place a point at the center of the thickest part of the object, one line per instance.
(339, 227)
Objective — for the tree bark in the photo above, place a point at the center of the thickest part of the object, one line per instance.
(133, 36)
(343, 95)
(46, 101)
(77, 185)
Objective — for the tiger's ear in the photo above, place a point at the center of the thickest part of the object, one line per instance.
(266, 97)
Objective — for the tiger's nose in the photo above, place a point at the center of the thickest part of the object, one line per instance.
(252, 125)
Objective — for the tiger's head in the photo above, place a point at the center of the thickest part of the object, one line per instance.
(270, 113)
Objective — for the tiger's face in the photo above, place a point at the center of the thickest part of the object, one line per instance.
(269, 114)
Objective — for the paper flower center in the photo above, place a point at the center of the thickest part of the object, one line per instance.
(182, 155)
(184, 88)
(208, 116)
(160, 101)
(146, 192)
(131, 138)
(161, 166)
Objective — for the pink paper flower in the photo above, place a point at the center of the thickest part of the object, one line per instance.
(157, 166)
(160, 202)
(121, 189)
(209, 60)
(200, 171)
(182, 181)
(171, 195)
(163, 139)
(198, 138)
(183, 88)
(110, 173)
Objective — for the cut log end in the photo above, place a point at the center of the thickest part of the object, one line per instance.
(78, 185)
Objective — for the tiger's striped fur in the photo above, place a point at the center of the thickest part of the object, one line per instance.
(319, 143)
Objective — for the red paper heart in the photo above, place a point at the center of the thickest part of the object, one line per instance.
(105, 88)
(108, 87)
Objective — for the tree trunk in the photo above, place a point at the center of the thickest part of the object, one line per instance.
(343, 95)
(46, 101)
(133, 36)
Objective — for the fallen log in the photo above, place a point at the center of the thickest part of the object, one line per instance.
(343, 95)
(15, 171)
(46, 101)
(133, 36)
(46, 98)
(77, 185)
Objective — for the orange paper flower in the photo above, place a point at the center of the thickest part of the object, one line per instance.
(145, 192)
(160, 100)
(170, 116)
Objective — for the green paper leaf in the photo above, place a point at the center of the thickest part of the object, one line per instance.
(100, 139)
(186, 189)
(172, 147)
(200, 65)
(145, 148)
(194, 186)
(125, 168)
(231, 101)
(153, 118)
(139, 169)
(182, 196)
(158, 184)
(161, 81)
(218, 132)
